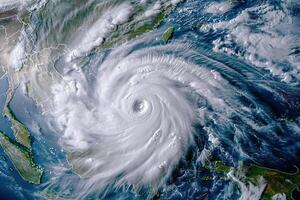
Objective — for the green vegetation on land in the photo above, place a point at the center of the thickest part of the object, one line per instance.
(168, 34)
(140, 29)
(21, 159)
(217, 166)
(51, 193)
(221, 167)
(20, 131)
(206, 178)
(19, 151)
(134, 29)
(277, 181)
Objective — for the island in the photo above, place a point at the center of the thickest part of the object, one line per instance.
(168, 34)
(135, 29)
(20, 131)
(278, 182)
(21, 159)
(19, 151)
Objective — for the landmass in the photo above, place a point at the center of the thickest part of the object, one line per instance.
(19, 151)
(168, 34)
(134, 29)
(221, 167)
(21, 159)
(51, 194)
(278, 182)
(20, 131)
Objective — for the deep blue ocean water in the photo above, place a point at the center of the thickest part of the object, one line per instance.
(275, 143)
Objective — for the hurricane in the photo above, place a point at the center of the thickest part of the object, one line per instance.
(143, 104)
(133, 120)
(149, 99)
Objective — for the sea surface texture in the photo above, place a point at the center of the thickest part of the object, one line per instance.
(149, 99)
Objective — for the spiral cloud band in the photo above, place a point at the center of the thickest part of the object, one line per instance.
(149, 99)
(136, 121)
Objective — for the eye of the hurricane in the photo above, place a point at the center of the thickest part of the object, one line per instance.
(141, 124)
(139, 106)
